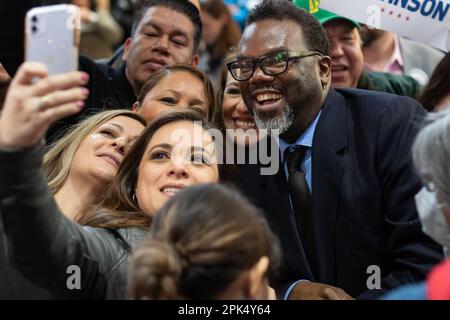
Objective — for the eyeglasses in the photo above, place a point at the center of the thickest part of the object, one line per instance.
(272, 64)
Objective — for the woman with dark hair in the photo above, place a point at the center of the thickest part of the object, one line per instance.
(231, 114)
(220, 34)
(436, 95)
(176, 86)
(201, 247)
(158, 165)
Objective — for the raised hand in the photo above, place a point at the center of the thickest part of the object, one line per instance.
(32, 106)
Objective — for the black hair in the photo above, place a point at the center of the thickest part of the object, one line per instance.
(315, 37)
(182, 6)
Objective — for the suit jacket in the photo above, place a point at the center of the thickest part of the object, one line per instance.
(363, 187)
(419, 56)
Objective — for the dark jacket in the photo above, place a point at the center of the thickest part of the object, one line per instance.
(43, 244)
(390, 83)
(109, 89)
(363, 187)
(13, 286)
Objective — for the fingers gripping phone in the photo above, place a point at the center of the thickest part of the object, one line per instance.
(52, 36)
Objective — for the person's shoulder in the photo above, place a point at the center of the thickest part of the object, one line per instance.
(369, 97)
(132, 235)
(377, 103)
(114, 243)
(94, 67)
(403, 85)
(416, 47)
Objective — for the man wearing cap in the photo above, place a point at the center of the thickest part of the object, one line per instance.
(347, 59)
(342, 203)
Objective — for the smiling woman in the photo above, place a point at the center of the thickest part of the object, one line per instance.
(166, 158)
(80, 165)
(231, 112)
(157, 164)
(176, 86)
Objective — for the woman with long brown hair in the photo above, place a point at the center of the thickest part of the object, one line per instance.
(157, 166)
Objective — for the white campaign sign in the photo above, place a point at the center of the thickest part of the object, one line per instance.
(426, 21)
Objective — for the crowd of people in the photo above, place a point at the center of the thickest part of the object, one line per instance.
(122, 169)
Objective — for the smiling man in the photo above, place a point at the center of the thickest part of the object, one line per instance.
(344, 200)
(164, 32)
(347, 68)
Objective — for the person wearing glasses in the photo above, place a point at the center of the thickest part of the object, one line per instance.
(342, 202)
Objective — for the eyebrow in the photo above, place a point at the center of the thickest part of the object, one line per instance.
(172, 91)
(273, 50)
(114, 124)
(162, 146)
(198, 101)
(176, 32)
(201, 149)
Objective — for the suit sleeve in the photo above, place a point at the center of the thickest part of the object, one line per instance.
(42, 243)
(412, 253)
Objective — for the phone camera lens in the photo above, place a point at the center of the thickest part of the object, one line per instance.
(34, 19)
(34, 29)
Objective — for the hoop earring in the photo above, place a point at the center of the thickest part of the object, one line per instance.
(134, 197)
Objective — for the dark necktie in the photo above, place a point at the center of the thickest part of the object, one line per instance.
(302, 204)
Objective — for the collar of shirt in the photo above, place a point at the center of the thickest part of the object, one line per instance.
(395, 64)
(306, 138)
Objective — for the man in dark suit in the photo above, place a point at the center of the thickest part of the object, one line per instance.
(355, 232)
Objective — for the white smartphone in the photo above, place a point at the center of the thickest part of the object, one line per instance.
(52, 36)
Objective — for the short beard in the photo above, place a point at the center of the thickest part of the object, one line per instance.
(281, 123)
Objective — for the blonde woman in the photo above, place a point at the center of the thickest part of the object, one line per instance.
(81, 164)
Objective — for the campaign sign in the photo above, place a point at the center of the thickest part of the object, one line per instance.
(426, 21)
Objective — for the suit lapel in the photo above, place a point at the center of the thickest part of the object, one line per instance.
(330, 139)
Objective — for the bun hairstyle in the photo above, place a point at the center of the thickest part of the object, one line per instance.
(157, 267)
(200, 242)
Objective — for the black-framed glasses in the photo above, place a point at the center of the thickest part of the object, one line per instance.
(272, 64)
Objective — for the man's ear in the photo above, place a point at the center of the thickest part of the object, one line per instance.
(135, 107)
(195, 60)
(325, 70)
(126, 48)
(257, 279)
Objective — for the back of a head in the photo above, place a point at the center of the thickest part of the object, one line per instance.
(312, 31)
(182, 6)
(200, 242)
(431, 152)
(437, 88)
